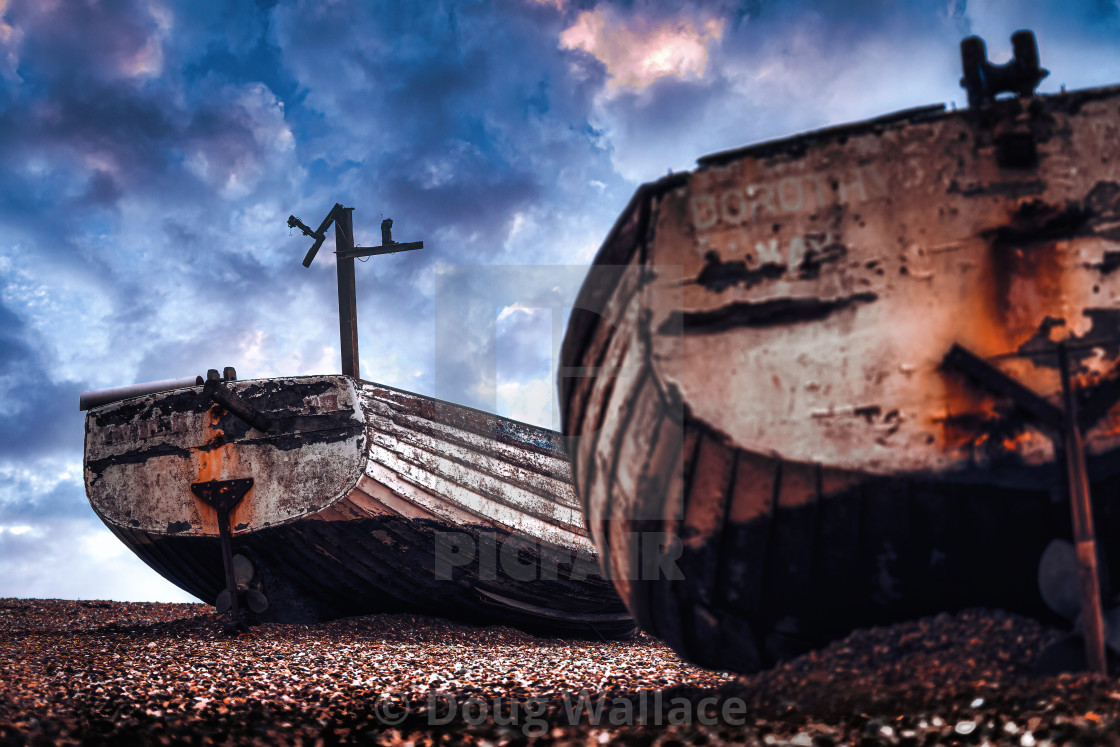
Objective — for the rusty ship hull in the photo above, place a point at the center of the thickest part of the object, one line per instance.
(364, 499)
(757, 374)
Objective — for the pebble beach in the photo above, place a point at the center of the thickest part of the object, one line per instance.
(98, 672)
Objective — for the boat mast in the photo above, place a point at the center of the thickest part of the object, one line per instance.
(345, 253)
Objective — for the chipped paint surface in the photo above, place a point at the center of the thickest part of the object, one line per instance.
(803, 294)
(142, 455)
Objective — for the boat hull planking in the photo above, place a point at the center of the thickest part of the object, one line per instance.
(766, 338)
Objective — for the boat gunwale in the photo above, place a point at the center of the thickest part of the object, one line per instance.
(558, 435)
(902, 117)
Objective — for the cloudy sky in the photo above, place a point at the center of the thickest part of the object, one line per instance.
(152, 150)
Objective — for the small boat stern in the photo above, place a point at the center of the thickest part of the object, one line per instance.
(142, 455)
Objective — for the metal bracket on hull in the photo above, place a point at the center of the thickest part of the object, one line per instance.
(1062, 425)
(231, 401)
(984, 81)
(996, 381)
(223, 496)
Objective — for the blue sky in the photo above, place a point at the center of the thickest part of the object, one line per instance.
(151, 151)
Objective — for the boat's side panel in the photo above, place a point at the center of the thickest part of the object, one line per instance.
(143, 454)
(466, 467)
(824, 283)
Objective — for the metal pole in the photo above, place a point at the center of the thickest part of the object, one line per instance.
(225, 541)
(347, 296)
(1083, 533)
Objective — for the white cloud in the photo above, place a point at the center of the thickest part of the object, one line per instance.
(74, 559)
(101, 545)
(508, 312)
(530, 401)
(22, 482)
(638, 50)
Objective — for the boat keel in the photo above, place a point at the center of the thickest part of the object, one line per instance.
(223, 496)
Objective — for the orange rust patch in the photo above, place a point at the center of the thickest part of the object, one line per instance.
(219, 463)
(1023, 282)
(1027, 280)
(209, 468)
(966, 409)
(1012, 443)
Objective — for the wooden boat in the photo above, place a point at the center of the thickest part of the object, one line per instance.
(786, 366)
(357, 498)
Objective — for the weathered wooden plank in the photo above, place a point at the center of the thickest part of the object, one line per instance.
(621, 554)
(553, 461)
(142, 455)
(550, 488)
(623, 513)
(458, 505)
(617, 409)
(662, 464)
(753, 497)
(468, 477)
(586, 441)
(607, 318)
(581, 412)
(525, 437)
(706, 502)
(598, 293)
(375, 499)
(666, 598)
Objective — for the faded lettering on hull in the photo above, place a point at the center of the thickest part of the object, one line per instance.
(834, 277)
(757, 203)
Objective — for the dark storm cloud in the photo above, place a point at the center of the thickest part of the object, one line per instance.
(104, 102)
(121, 135)
(77, 92)
(38, 412)
(460, 117)
(80, 41)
